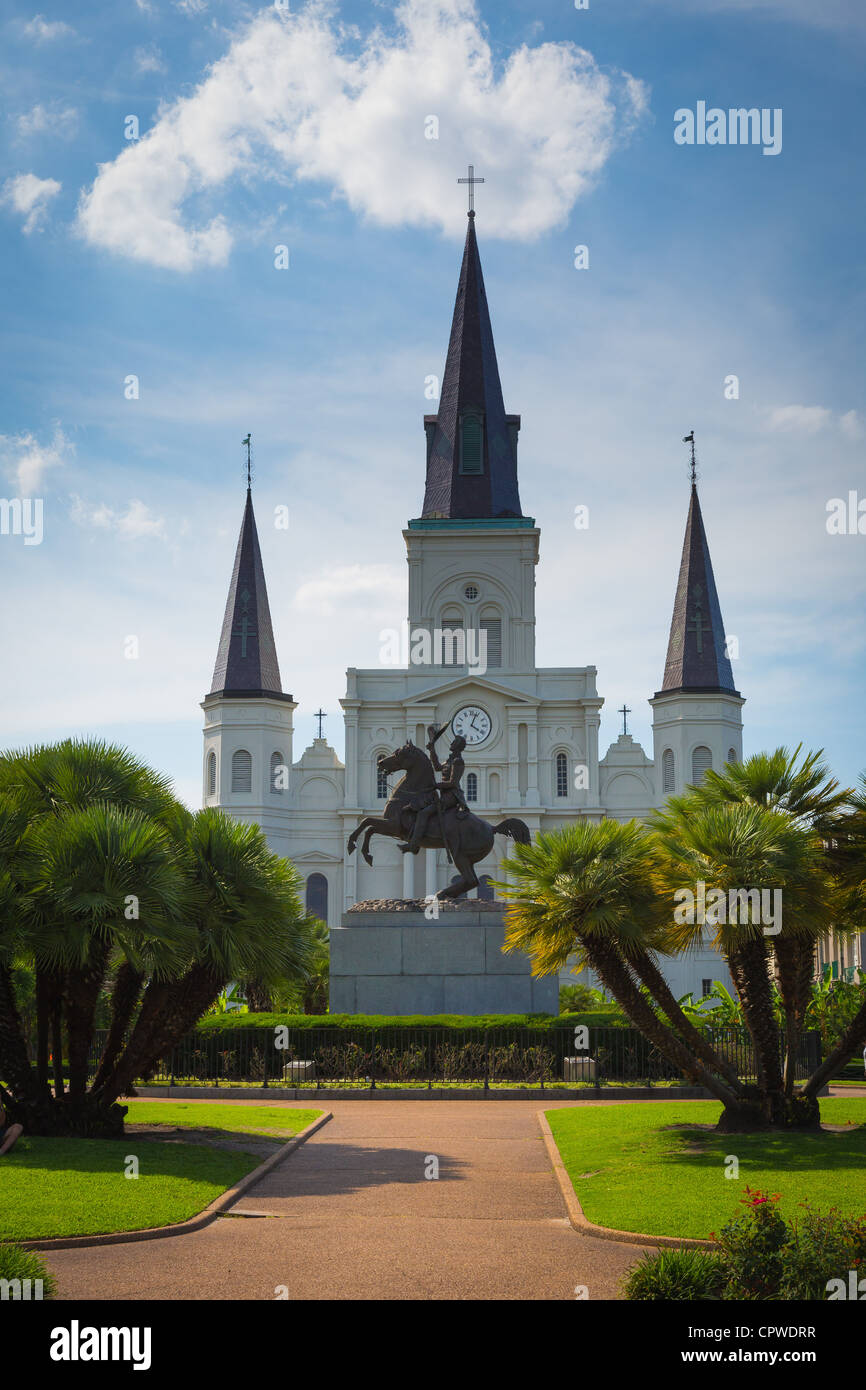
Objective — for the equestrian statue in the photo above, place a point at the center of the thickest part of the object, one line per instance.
(426, 814)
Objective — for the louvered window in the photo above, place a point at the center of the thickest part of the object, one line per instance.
(702, 761)
(668, 772)
(453, 642)
(732, 755)
(242, 771)
(561, 775)
(211, 774)
(493, 628)
(279, 774)
(471, 444)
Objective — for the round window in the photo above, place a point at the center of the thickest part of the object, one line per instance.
(470, 592)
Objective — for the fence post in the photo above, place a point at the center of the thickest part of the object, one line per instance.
(265, 1065)
(486, 1061)
(171, 1070)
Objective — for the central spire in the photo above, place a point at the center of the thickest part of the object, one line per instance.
(471, 442)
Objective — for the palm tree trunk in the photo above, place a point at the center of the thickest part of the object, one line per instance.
(125, 995)
(168, 1010)
(57, 1045)
(660, 990)
(81, 996)
(615, 974)
(853, 1038)
(748, 962)
(14, 1062)
(795, 960)
(44, 1000)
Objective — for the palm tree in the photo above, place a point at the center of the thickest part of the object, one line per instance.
(103, 875)
(248, 922)
(734, 848)
(590, 890)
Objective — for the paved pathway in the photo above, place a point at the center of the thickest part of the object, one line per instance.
(351, 1215)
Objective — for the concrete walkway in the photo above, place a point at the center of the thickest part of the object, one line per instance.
(351, 1215)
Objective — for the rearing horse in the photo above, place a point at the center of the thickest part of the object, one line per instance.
(468, 838)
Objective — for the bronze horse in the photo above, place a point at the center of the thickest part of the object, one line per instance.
(469, 839)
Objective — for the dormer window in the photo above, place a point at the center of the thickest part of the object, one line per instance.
(471, 444)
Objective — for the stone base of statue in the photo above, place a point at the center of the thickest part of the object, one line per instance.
(388, 957)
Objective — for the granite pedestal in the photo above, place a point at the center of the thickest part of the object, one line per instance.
(387, 957)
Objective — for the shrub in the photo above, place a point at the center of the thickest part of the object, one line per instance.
(685, 1275)
(821, 1247)
(16, 1263)
(751, 1246)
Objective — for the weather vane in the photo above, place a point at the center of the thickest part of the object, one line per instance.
(249, 459)
(690, 439)
(471, 180)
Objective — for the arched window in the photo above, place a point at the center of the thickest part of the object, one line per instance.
(732, 755)
(317, 896)
(493, 628)
(211, 774)
(561, 775)
(279, 774)
(242, 771)
(471, 444)
(471, 787)
(381, 785)
(702, 761)
(485, 889)
(668, 776)
(453, 641)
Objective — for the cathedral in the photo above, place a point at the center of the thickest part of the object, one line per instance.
(531, 732)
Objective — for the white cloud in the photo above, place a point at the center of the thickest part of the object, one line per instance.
(799, 419)
(26, 462)
(132, 524)
(54, 119)
(288, 99)
(851, 426)
(191, 6)
(29, 196)
(811, 419)
(371, 588)
(149, 59)
(43, 30)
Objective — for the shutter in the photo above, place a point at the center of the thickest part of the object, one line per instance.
(242, 771)
(702, 760)
(493, 628)
(211, 774)
(471, 452)
(668, 772)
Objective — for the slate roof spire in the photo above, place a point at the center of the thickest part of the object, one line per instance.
(460, 483)
(246, 663)
(696, 659)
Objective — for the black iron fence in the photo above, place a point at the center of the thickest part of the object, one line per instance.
(426, 1056)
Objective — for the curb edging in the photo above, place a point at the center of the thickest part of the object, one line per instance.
(195, 1223)
(581, 1223)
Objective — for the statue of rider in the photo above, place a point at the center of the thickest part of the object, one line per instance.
(448, 790)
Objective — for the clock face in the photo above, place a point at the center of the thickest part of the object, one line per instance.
(472, 723)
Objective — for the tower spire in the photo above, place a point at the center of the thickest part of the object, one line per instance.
(697, 659)
(246, 663)
(471, 442)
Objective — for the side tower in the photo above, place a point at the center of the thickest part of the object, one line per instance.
(697, 720)
(247, 717)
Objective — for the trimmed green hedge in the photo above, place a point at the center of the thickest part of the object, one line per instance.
(236, 1023)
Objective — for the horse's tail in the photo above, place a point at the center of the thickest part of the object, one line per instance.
(514, 828)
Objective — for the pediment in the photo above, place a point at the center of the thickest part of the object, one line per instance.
(468, 685)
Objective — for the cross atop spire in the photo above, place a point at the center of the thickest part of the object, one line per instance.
(249, 461)
(471, 180)
(625, 712)
(320, 715)
(690, 439)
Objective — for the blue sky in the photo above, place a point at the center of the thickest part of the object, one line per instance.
(306, 128)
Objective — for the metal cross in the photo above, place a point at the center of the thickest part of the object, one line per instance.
(472, 180)
(245, 632)
(320, 715)
(625, 712)
(690, 439)
(249, 462)
(697, 627)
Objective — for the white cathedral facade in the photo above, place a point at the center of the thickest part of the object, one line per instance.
(532, 733)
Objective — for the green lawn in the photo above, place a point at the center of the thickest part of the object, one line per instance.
(242, 1119)
(651, 1168)
(63, 1187)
